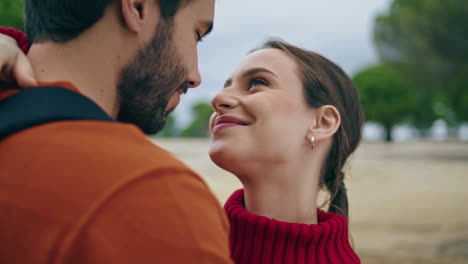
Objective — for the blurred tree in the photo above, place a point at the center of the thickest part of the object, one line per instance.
(11, 14)
(199, 126)
(387, 96)
(457, 86)
(431, 38)
(170, 129)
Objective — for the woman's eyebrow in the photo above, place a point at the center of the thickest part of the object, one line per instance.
(251, 72)
(258, 70)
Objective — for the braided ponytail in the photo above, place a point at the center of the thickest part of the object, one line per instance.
(333, 181)
(339, 200)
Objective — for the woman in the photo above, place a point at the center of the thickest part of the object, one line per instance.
(285, 124)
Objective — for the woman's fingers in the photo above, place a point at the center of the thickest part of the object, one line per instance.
(23, 72)
(14, 65)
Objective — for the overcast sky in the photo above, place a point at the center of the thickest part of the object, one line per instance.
(341, 30)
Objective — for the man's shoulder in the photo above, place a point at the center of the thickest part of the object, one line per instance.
(105, 142)
(88, 152)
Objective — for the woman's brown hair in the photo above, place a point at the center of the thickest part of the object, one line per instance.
(325, 83)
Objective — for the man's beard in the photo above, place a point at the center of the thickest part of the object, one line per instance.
(147, 83)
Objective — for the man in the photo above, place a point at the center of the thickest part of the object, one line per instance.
(96, 191)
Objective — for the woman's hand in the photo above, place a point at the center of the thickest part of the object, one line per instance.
(14, 65)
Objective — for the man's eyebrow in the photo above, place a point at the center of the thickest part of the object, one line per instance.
(208, 25)
(251, 72)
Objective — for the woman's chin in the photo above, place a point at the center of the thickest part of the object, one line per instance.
(224, 158)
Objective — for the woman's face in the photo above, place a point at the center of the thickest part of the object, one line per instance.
(261, 116)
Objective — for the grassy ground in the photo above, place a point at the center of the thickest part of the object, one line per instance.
(408, 201)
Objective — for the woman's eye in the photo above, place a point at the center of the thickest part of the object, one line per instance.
(256, 82)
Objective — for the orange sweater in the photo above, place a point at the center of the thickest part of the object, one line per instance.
(101, 192)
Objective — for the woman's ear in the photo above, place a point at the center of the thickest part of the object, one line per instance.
(135, 13)
(327, 122)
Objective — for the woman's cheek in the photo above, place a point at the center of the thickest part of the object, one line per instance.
(212, 119)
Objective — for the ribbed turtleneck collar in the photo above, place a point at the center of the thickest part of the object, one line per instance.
(258, 239)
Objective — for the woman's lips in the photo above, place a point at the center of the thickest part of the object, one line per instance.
(223, 125)
(227, 121)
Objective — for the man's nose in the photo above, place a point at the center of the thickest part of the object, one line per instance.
(194, 78)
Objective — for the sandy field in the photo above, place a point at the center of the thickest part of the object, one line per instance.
(408, 201)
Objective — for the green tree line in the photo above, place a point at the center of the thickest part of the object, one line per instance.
(202, 112)
(423, 70)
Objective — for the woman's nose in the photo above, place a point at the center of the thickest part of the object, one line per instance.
(223, 101)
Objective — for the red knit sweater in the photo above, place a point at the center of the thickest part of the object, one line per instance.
(257, 239)
(19, 36)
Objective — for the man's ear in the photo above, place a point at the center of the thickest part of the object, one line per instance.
(134, 13)
(327, 122)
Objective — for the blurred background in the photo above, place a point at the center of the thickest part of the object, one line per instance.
(409, 61)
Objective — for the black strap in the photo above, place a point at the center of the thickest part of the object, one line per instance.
(41, 105)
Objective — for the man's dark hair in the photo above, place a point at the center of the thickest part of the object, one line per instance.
(64, 20)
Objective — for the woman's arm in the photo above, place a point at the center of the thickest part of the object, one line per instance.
(14, 65)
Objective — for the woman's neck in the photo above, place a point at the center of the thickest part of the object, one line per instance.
(288, 195)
